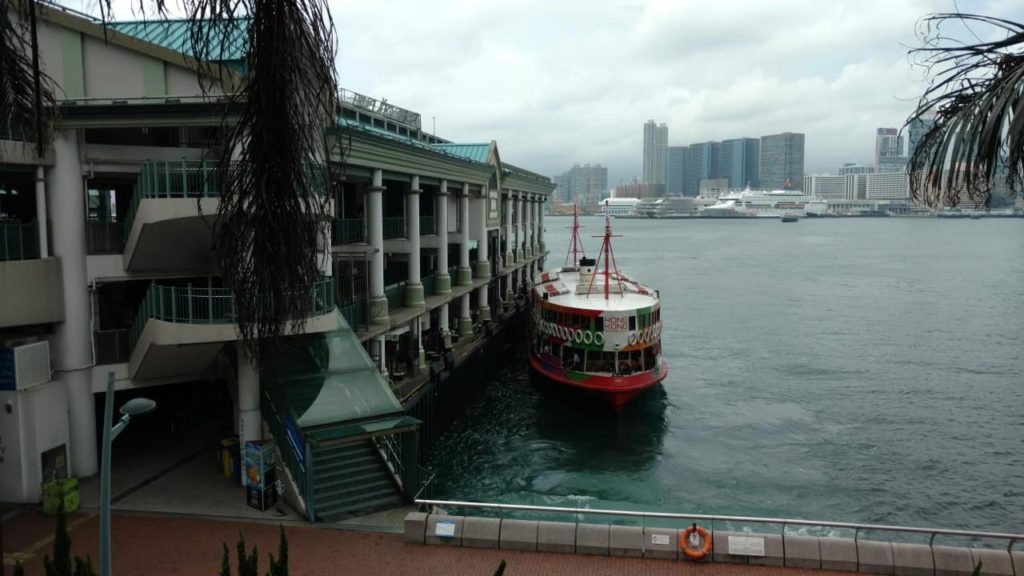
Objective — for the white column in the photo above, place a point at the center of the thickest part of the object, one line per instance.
(465, 321)
(378, 305)
(421, 357)
(483, 265)
(442, 325)
(382, 365)
(73, 339)
(531, 234)
(520, 228)
(250, 421)
(509, 245)
(44, 242)
(443, 283)
(413, 287)
(465, 273)
(540, 225)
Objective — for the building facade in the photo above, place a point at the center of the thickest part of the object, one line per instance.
(741, 162)
(106, 268)
(851, 168)
(826, 187)
(655, 153)
(889, 156)
(678, 160)
(782, 160)
(916, 131)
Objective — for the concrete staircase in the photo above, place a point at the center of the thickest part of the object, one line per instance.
(352, 480)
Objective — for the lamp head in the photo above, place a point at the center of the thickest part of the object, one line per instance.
(138, 406)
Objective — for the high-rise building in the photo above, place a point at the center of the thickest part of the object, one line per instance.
(851, 168)
(740, 162)
(655, 152)
(918, 128)
(782, 160)
(705, 163)
(579, 181)
(678, 158)
(826, 187)
(889, 151)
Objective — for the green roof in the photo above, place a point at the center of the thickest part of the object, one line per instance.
(437, 148)
(474, 152)
(229, 46)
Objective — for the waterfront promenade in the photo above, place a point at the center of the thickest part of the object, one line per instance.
(186, 546)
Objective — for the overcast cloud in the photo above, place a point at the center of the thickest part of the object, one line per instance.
(562, 81)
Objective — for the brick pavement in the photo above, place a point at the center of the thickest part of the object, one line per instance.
(162, 545)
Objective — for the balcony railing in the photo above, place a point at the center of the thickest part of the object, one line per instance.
(428, 225)
(177, 179)
(105, 237)
(15, 131)
(348, 231)
(428, 282)
(394, 294)
(354, 313)
(394, 227)
(19, 241)
(112, 346)
(192, 305)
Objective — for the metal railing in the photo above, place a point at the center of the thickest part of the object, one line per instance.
(172, 179)
(394, 227)
(112, 346)
(428, 225)
(19, 241)
(18, 131)
(380, 107)
(194, 305)
(354, 313)
(293, 449)
(429, 281)
(395, 295)
(348, 230)
(712, 518)
(390, 447)
(105, 237)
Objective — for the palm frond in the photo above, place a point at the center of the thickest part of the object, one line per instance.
(27, 102)
(974, 95)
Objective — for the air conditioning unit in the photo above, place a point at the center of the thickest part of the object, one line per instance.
(24, 365)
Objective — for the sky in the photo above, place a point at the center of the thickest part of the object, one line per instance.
(558, 82)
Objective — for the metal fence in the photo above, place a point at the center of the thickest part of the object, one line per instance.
(394, 227)
(428, 225)
(395, 294)
(19, 241)
(172, 179)
(105, 237)
(112, 346)
(348, 230)
(354, 313)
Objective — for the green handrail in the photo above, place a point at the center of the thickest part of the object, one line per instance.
(354, 313)
(200, 305)
(394, 295)
(428, 225)
(172, 179)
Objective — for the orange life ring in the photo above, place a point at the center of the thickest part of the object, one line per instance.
(695, 553)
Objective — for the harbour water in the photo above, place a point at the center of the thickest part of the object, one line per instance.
(861, 370)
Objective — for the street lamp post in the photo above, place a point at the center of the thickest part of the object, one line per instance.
(133, 407)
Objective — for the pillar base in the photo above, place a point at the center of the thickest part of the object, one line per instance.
(447, 340)
(485, 313)
(482, 269)
(443, 284)
(378, 311)
(414, 296)
(421, 361)
(465, 327)
(464, 277)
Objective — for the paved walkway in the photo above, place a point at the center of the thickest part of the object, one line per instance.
(158, 545)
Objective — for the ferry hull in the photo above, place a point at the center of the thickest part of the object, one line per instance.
(614, 391)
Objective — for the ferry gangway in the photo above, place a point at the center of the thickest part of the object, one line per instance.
(712, 518)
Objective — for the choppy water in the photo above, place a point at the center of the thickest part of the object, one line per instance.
(865, 370)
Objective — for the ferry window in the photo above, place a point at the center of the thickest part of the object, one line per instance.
(599, 324)
(632, 322)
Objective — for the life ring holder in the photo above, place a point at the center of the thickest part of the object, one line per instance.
(598, 339)
(588, 337)
(695, 554)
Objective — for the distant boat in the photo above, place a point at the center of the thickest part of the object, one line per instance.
(790, 217)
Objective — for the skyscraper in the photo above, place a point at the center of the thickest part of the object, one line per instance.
(740, 162)
(918, 128)
(782, 160)
(573, 185)
(561, 182)
(889, 151)
(655, 152)
(705, 163)
(678, 158)
(851, 168)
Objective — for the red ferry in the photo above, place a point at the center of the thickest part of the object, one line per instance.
(595, 330)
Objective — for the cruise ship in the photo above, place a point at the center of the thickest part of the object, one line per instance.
(765, 204)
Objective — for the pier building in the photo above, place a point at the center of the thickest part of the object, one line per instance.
(106, 267)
